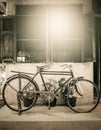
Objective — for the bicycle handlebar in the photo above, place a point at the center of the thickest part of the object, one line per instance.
(47, 66)
(66, 66)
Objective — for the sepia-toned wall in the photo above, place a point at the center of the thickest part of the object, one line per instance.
(79, 69)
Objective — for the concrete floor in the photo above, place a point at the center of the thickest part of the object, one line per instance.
(58, 118)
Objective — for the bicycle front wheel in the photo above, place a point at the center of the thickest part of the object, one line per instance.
(18, 93)
(83, 97)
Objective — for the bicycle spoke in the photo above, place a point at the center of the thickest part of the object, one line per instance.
(12, 87)
(19, 82)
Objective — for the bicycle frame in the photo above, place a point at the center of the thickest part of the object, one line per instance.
(43, 72)
(56, 73)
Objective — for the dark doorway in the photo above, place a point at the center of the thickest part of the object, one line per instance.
(97, 64)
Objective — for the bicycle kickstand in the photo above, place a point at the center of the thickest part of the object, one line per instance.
(19, 106)
(49, 107)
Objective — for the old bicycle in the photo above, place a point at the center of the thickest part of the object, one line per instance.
(21, 91)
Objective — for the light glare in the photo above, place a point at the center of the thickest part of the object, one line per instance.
(57, 23)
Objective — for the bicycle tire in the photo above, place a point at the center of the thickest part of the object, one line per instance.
(10, 92)
(84, 101)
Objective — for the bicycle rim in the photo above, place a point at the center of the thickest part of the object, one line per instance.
(27, 98)
(85, 96)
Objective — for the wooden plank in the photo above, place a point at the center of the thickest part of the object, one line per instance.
(7, 46)
(3, 0)
(30, 2)
(87, 6)
(10, 7)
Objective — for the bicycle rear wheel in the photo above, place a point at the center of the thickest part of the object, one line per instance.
(83, 96)
(18, 98)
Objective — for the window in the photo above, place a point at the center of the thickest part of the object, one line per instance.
(53, 33)
(31, 33)
(7, 38)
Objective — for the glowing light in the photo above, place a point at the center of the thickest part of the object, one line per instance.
(67, 24)
(57, 23)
